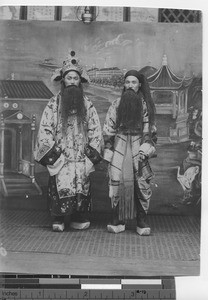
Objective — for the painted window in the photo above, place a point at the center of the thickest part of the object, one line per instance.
(179, 16)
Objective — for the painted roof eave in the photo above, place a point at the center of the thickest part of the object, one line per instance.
(164, 73)
(167, 88)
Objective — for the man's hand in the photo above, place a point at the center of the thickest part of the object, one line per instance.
(142, 157)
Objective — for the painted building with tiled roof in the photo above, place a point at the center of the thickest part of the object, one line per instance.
(23, 89)
(21, 106)
(29, 96)
(165, 79)
(170, 95)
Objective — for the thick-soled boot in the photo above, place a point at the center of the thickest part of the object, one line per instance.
(116, 225)
(58, 224)
(142, 227)
(80, 221)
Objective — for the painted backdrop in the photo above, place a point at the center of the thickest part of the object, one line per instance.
(31, 50)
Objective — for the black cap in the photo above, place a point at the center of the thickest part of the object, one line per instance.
(132, 73)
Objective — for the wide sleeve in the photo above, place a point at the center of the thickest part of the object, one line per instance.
(46, 150)
(94, 134)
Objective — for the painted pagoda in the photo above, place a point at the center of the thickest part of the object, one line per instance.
(170, 95)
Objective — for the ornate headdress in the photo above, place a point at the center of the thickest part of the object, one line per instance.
(70, 64)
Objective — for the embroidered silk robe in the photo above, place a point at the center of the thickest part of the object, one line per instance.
(128, 178)
(69, 158)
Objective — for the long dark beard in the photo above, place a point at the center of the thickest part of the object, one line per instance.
(130, 111)
(72, 102)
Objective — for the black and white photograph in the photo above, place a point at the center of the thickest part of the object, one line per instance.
(101, 111)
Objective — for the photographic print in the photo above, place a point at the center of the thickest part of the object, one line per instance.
(112, 185)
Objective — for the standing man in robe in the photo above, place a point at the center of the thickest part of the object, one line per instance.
(130, 137)
(69, 145)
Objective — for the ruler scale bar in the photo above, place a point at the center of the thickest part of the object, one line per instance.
(89, 294)
(143, 287)
(42, 286)
(21, 287)
(100, 281)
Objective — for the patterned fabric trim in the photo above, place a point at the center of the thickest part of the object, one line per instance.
(92, 154)
(51, 156)
(42, 151)
(67, 205)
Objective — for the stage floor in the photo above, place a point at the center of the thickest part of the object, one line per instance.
(173, 248)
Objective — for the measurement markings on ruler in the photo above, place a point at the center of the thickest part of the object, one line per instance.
(67, 288)
(49, 294)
